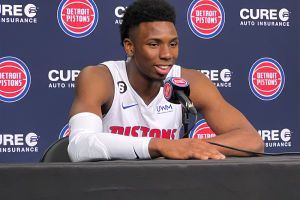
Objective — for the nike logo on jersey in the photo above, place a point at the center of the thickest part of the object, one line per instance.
(125, 107)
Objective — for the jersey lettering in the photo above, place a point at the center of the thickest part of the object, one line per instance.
(167, 134)
(155, 133)
(117, 130)
(145, 132)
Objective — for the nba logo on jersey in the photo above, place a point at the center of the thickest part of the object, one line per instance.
(77, 18)
(14, 79)
(64, 132)
(266, 79)
(206, 18)
(201, 131)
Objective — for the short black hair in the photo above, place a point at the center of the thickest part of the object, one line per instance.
(146, 11)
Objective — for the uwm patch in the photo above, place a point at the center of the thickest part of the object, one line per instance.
(266, 79)
(206, 18)
(201, 131)
(14, 79)
(77, 18)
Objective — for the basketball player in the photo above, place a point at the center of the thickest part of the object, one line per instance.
(114, 113)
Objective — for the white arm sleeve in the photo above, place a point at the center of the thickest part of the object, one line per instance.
(88, 142)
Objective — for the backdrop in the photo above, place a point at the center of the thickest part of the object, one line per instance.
(249, 49)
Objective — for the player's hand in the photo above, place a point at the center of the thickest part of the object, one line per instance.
(186, 148)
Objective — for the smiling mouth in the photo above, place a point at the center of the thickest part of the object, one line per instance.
(163, 69)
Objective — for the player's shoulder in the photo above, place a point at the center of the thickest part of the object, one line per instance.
(95, 70)
(94, 78)
(193, 76)
(96, 73)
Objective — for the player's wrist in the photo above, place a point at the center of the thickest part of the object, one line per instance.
(154, 147)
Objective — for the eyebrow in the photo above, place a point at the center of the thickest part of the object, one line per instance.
(159, 40)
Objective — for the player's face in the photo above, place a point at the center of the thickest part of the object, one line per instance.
(155, 48)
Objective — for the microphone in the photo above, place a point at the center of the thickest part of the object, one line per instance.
(177, 91)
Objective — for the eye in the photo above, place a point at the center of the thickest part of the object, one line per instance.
(153, 44)
(173, 44)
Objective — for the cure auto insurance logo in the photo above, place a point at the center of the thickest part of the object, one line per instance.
(14, 79)
(206, 18)
(266, 79)
(77, 18)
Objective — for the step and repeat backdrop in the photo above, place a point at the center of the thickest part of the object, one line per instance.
(249, 49)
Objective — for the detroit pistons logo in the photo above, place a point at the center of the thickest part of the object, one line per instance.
(64, 132)
(14, 79)
(206, 18)
(179, 82)
(167, 90)
(77, 18)
(266, 79)
(201, 131)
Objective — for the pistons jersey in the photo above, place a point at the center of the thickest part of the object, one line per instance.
(130, 116)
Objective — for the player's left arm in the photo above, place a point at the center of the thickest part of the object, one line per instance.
(230, 125)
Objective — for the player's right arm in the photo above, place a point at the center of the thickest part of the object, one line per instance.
(94, 92)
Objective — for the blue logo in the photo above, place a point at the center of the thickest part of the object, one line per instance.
(125, 107)
(161, 109)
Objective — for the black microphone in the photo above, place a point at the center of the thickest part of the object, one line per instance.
(177, 91)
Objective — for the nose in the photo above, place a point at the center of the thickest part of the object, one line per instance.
(165, 52)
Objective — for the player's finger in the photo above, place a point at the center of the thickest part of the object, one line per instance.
(210, 151)
(200, 156)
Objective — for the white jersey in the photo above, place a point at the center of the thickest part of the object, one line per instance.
(130, 116)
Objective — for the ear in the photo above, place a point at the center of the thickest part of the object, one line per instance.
(128, 46)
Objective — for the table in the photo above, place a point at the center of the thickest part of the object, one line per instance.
(252, 178)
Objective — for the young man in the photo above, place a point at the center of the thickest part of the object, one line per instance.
(121, 97)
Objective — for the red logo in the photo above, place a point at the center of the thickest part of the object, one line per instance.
(179, 82)
(14, 79)
(266, 78)
(167, 90)
(77, 18)
(206, 18)
(202, 131)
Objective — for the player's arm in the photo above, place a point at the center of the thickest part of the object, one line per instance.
(93, 96)
(94, 93)
(230, 125)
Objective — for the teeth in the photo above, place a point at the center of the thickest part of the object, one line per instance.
(163, 67)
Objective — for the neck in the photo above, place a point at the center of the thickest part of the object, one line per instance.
(146, 87)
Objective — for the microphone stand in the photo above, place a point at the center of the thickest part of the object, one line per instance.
(185, 121)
